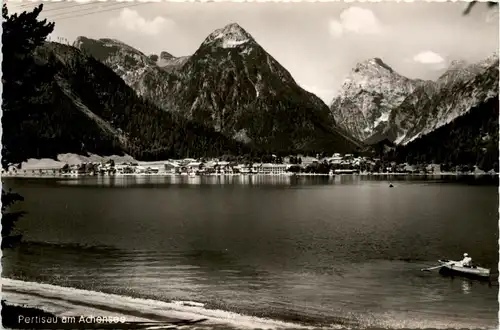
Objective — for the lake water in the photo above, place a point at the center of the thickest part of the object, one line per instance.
(346, 250)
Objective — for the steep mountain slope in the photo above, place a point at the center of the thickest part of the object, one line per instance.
(82, 106)
(377, 104)
(368, 96)
(453, 121)
(471, 139)
(170, 63)
(435, 104)
(127, 62)
(458, 70)
(232, 84)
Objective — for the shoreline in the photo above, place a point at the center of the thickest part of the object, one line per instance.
(136, 313)
(75, 176)
(86, 309)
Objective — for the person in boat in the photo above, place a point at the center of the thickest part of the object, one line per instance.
(466, 261)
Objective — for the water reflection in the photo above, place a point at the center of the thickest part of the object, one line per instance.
(253, 180)
(466, 287)
(155, 180)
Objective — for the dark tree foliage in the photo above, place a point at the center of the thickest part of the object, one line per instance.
(321, 168)
(9, 219)
(21, 35)
(490, 4)
(294, 169)
(471, 139)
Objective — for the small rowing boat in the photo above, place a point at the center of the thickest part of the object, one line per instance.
(452, 267)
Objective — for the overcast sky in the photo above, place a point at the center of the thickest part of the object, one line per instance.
(319, 43)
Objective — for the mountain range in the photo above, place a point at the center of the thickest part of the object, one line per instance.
(231, 96)
(232, 85)
(368, 96)
(452, 120)
(377, 103)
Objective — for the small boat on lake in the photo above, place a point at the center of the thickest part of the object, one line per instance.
(455, 268)
(451, 267)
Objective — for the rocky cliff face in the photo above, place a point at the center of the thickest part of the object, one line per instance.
(171, 63)
(368, 96)
(233, 85)
(129, 63)
(139, 71)
(377, 103)
(438, 103)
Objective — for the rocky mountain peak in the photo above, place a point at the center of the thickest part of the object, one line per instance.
(106, 50)
(455, 71)
(462, 70)
(372, 75)
(367, 97)
(373, 66)
(105, 44)
(490, 60)
(232, 85)
(458, 64)
(230, 36)
(166, 56)
(378, 62)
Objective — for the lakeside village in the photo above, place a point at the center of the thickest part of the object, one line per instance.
(229, 165)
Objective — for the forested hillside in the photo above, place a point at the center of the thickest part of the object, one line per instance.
(471, 139)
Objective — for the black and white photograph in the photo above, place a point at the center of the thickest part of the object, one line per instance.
(250, 164)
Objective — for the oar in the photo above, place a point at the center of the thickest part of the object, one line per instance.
(436, 267)
(431, 268)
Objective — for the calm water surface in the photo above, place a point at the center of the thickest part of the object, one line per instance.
(345, 250)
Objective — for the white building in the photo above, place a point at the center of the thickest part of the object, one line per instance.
(335, 159)
(309, 160)
(172, 167)
(274, 169)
